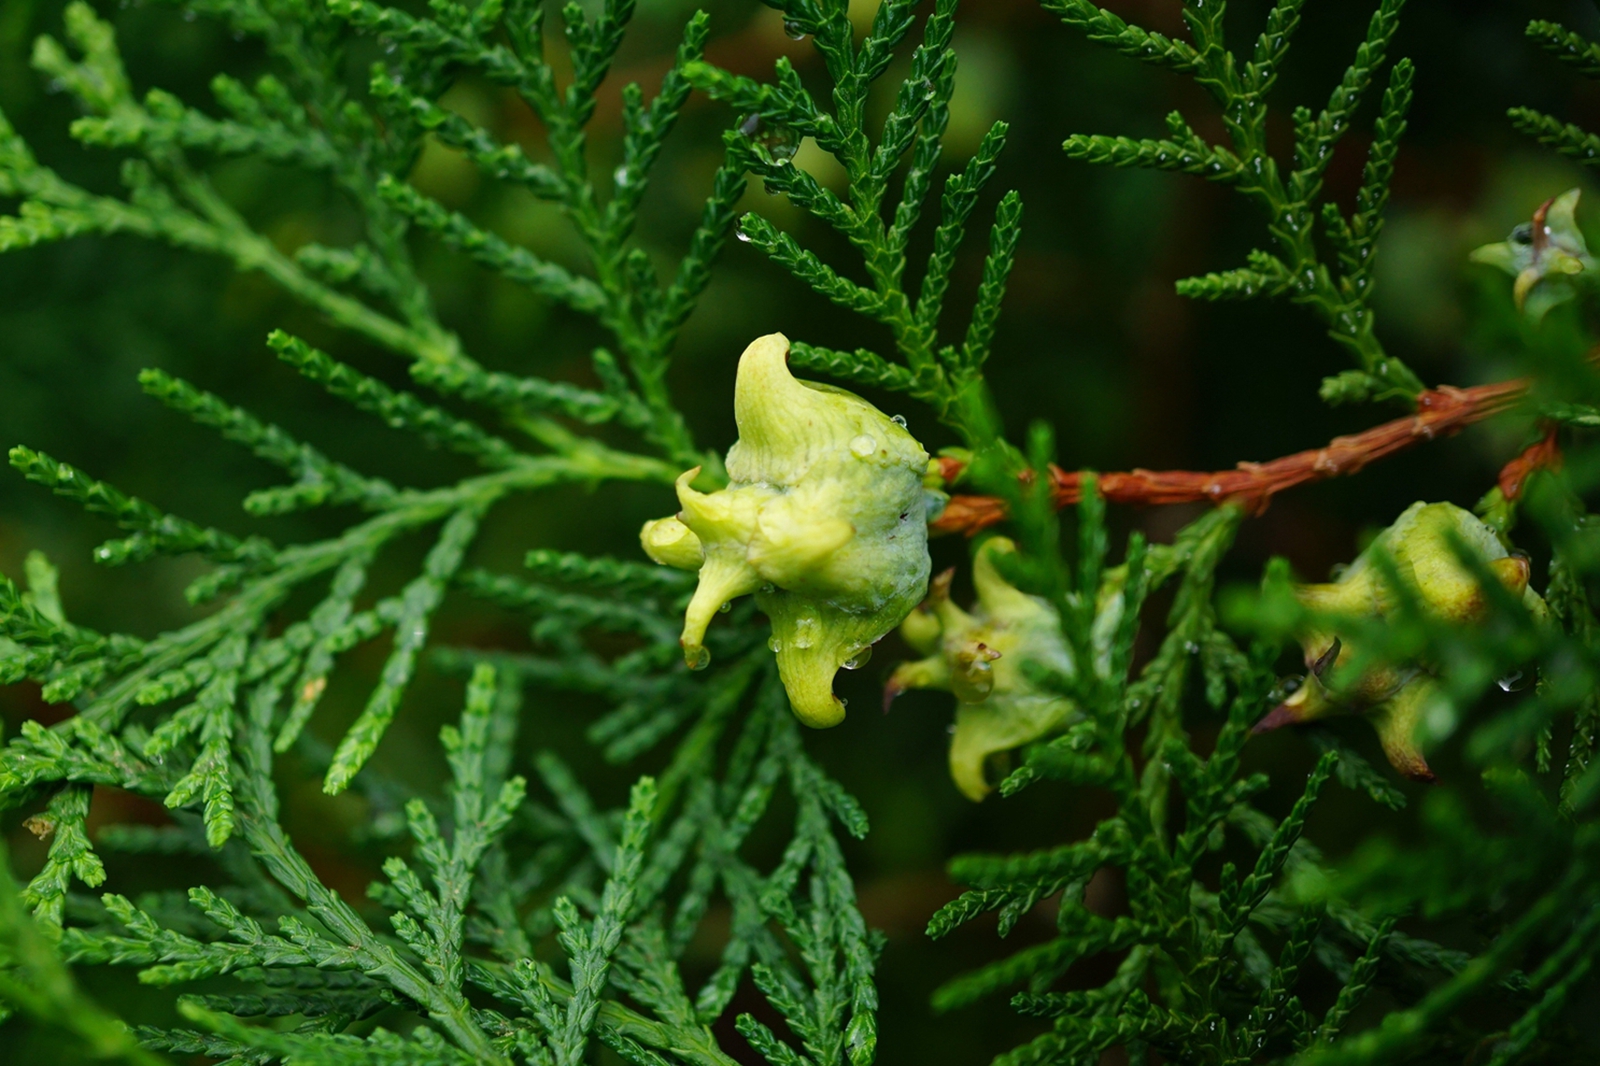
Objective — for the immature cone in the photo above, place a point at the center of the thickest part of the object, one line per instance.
(1545, 256)
(824, 519)
(979, 658)
(1394, 698)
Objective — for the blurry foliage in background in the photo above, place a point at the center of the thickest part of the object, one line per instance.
(404, 764)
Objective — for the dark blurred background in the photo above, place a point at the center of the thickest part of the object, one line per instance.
(1093, 340)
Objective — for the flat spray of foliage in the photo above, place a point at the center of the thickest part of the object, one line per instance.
(512, 929)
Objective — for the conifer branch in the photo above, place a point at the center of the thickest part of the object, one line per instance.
(1440, 412)
(544, 928)
(1339, 294)
(34, 980)
(777, 115)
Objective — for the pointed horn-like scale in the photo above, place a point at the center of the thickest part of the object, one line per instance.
(998, 595)
(781, 421)
(1396, 721)
(715, 516)
(1281, 715)
(1327, 596)
(932, 672)
(891, 692)
(1425, 542)
(1561, 218)
(721, 521)
(721, 580)
(985, 731)
(1321, 663)
(951, 617)
(970, 749)
(1305, 704)
(807, 674)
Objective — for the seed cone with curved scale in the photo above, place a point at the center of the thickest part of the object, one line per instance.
(824, 519)
(979, 658)
(1395, 697)
(1547, 256)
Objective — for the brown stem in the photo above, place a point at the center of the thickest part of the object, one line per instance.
(1542, 454)
(1440, 412)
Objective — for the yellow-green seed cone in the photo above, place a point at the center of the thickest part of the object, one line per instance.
(824, 517)
(979, 658)
(1422, 546)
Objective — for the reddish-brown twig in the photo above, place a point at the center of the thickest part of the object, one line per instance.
(1542, 454)
(1440, 412)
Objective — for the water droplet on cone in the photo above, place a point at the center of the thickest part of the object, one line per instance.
(862, 656)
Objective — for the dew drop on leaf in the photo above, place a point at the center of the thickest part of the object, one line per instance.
(793, 30)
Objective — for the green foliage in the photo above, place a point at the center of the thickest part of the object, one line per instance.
(778, 115)
(1222, 998)
(233, 691)
(511, 927)
(33, 979)
(1222, 995)
(1573, 49)
(1338, 292)
(1194, 979)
